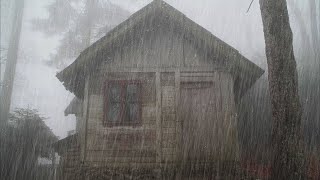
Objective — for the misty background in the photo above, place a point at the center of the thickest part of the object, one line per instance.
(37, 87)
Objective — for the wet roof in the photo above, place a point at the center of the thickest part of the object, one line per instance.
(244, 71)
(64, 144)
(74, 107)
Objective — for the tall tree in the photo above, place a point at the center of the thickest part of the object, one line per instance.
(10, 69)
(3, 58)
(283, 84)
(26, 138)
(88, 22)
(314, 27)
(79, 22)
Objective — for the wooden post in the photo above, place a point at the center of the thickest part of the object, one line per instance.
(178, 120)
(158, 119)
(178, 150)
(53, 161)
(84, 122)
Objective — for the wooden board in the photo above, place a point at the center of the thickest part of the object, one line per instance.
(198, 116)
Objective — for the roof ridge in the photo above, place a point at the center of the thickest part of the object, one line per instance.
(112, 32)
(203, 35)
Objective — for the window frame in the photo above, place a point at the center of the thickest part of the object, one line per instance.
(123, 100)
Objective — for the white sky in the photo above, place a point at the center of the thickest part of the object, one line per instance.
(36, 85)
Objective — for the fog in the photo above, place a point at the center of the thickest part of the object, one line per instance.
(227, 20)
(53, 36)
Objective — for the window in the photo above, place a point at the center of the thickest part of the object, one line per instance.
(122, 103)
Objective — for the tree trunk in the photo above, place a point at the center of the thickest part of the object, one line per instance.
(283, 82)
(90, 4)
(314, 28)
(6, 92)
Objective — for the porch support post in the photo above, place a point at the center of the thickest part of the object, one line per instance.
(158, 119)
(178, 120)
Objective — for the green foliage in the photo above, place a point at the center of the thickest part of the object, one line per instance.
(30, 127)
(24, 139)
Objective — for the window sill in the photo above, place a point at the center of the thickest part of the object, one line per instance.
(121, 125)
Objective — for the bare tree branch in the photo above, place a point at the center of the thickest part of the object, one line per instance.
(250, 6)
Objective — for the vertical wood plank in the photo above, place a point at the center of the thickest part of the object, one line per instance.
(178, 120)
(158, 118)
(83, 128)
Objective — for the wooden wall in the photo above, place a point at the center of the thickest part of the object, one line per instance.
(157, 48)
(207, 110)
(121, 145)
(70, 163)
(168, 117)
(162, 61)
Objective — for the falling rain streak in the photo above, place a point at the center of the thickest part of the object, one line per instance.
(159, 89)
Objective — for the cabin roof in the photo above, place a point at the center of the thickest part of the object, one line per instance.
(245, 72)
(62, 145)
(74, 107)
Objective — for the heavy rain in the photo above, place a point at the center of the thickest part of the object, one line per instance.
(160, 89)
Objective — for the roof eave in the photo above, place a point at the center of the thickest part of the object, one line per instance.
(70, 76)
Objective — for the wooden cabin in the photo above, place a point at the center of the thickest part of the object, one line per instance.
(158, 92)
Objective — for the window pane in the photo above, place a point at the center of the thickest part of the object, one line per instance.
(133, 92)
(114, 93)
(132, 112)
(113, 112)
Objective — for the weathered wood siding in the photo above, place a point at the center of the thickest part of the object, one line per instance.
(83, 127)
(168, 112)
(161, 60)
(207, 111)
(70, 163)
(157, 49)
(121, 145)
